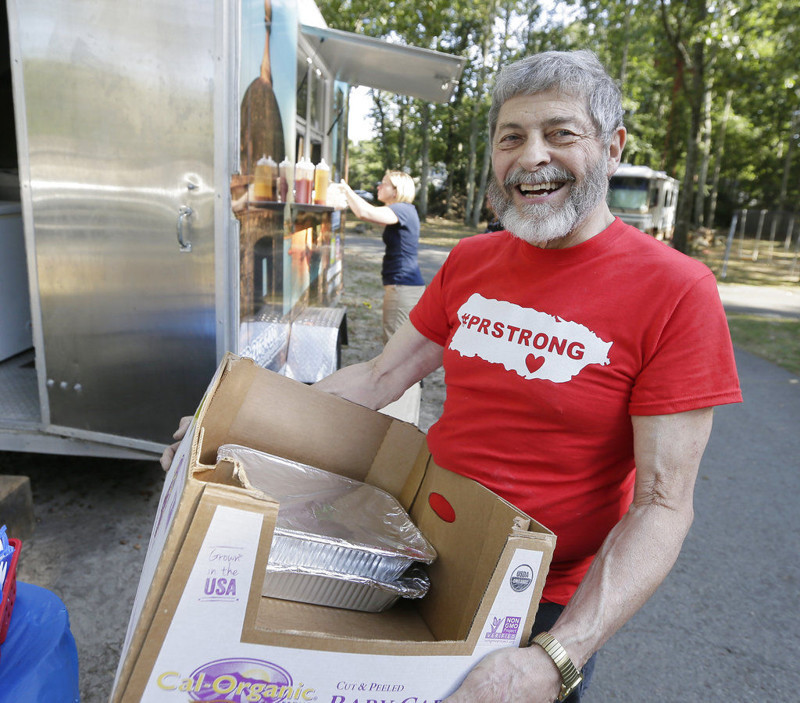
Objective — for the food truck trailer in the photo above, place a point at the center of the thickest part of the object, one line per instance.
(135, 248)
(644, 198)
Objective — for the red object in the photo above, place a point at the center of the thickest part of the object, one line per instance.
(302, 191)
(441, 506)
(9, 590)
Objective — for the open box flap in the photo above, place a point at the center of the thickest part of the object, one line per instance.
(241, 413)
(403, 445)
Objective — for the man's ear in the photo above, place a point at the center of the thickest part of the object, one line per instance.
(615, 150)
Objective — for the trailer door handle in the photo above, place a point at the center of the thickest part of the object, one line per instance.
(183, 216)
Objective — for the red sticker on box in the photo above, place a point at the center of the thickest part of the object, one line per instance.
(441, 506)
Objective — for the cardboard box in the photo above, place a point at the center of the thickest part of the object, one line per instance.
(200, 629)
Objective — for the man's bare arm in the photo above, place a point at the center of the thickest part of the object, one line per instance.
(640, 551)
(407, 358)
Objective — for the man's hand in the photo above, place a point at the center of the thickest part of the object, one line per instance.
(511, 675)
(169, 452)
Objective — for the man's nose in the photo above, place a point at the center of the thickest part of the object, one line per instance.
(535, 153)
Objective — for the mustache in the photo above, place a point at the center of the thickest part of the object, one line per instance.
(543, 175)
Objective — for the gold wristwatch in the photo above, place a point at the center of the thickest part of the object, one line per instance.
(570, 676)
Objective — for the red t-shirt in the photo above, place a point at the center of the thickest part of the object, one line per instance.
(548, 352)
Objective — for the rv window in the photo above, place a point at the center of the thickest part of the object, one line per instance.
(627, 193)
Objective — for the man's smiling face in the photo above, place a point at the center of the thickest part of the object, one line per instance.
(551, 169)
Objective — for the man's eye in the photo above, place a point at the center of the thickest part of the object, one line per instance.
(562, 135)
(509, 138)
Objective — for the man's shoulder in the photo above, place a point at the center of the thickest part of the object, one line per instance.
(652, 252)
(477, 243)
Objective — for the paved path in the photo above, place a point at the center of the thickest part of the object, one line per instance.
(725, 625)
(772, 301)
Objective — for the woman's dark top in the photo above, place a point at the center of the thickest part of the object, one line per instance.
(400, 265)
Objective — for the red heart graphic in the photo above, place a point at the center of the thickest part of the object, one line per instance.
(533, 362)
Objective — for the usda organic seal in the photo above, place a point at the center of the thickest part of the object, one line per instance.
(521, 578)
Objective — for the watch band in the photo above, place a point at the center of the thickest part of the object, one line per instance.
(570, 676)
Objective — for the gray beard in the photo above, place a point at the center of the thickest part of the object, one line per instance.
(540, 223)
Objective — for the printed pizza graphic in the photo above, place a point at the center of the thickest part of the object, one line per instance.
(526, 341)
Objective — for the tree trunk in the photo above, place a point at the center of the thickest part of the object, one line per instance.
(449, 158)
(487, 161)
(473, 122)
(623, 67)
(477, 206)
(787, 162)
(680, 239)
(382, 136)
(401, 135)
(705, 156)
(425, 112)
(719, 152)
(667, 162)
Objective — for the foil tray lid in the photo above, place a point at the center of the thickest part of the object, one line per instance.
(414, 583)
(338, 509)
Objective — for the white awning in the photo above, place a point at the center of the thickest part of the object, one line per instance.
(406, 70)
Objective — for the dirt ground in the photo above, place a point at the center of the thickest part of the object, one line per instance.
(94, 516)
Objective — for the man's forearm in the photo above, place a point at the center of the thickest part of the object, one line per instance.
(360, 383)
(407, 358)
(635, 558)
(639, 552)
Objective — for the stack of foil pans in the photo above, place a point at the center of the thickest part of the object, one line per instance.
(337, 542)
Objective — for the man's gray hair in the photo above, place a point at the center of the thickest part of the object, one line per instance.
(577, 73)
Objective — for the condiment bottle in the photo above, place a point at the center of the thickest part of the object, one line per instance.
(265, 177)
(303, 181)
(322, 177)
(285, 179)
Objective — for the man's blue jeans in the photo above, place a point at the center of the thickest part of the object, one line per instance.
(546, 617)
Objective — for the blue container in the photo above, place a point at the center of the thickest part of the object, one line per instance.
(40, 660)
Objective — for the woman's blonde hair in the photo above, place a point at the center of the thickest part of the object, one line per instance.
(403, 184)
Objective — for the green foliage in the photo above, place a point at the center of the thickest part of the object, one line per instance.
(366, 167)
(665, 54)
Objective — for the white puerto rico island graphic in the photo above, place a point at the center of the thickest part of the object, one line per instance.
(526, 341)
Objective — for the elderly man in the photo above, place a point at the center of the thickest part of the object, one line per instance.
(582, 360)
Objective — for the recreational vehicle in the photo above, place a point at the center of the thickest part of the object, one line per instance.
(644, 198)
(139, 243)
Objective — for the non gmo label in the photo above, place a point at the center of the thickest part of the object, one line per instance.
(504, 628)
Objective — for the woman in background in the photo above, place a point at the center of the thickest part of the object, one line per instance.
(402, 280)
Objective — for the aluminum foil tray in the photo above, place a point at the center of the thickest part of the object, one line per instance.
(329, 522)
(337, 591)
